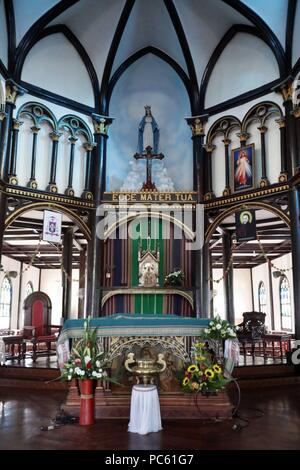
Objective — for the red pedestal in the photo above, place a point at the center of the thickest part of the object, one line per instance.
(87, 403)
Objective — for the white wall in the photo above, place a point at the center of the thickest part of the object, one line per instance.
(63, 72)
(241, 290)
(3, 34)
(32, 274)
(245, 64)
(51, 284)
(260, 273)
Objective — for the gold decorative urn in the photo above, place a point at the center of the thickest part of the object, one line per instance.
(145, 369)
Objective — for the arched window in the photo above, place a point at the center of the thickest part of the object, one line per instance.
(262, 297)
(285, 303)
(28, 289)
(5, 302)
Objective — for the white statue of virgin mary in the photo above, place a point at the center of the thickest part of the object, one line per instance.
(148, 132)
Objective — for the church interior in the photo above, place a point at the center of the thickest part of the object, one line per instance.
(150, 189)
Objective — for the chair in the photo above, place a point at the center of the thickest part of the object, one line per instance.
(250, 334)
(38, 331)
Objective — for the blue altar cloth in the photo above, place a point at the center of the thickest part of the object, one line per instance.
(136, 325)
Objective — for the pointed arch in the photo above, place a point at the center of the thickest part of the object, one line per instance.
(161, 55)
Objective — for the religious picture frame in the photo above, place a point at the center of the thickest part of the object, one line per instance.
(243, 167)
(245, 225)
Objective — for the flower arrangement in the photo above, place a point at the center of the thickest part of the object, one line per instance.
(174, 278)
(204, 375)
(86, 361)
(219, 329)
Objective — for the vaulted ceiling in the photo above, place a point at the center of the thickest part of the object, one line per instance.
(190, 34)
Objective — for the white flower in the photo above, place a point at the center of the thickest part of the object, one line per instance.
(218, 326)
(98, 364)
(223, 332)
(94, 373)
(206, 330)
(77, 370)
(69, 377)
(70, 370)
(99, 376)
(104, 374)
(211, 323)
(82, 372)
(213, 328)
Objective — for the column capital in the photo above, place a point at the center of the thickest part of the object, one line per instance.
(262, 129)
(16, 124)
(35, 129)
(197, 124)
(3, 115)
(226, 141)
(243, 136)
(89, 146)
(209, 147)
(286, 89)
(12, 91)
(296, 112)
(101, 124)
(281, 122)
(72, 139)
(55, 136)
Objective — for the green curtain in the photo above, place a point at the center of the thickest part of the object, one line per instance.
(148, 303)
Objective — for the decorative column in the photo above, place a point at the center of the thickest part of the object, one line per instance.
(264, 180)
(292, 159)
(70, 191)
(209, 194)
(197, 125)
(82, 274)
(294, 206)
(228, 277)
(32, 183)
(296, 114)
(95, 246)
(87, 194)
(12, 176)
(227, 189)
(283, 172)
(54, 136)
(67, 257)
(12, 90)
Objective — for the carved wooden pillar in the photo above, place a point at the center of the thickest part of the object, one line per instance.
(227, 189)
(95, 246)
(263, 180)
(67, 257)
(12, 91)
(283, 171)
(197, 125)
(228, 277)
(12, 177)
(87, 193)
(209, 194)
(54, 136)
(32, 183)
(296, 114)
(70, 191)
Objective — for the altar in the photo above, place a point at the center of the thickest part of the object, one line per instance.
(120, 334)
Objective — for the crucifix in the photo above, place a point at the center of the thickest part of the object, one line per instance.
(148, 155)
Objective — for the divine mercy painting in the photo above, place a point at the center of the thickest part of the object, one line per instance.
(243, 167)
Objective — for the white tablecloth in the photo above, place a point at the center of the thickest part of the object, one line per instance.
(145, 410)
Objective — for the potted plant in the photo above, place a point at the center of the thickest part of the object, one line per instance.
(203, 375)
(86, 363)
(175, 278)
(216, 333)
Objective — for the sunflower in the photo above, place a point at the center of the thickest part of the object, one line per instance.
(209, 373)
(193, 368)
(185, 381)
(217, 369)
